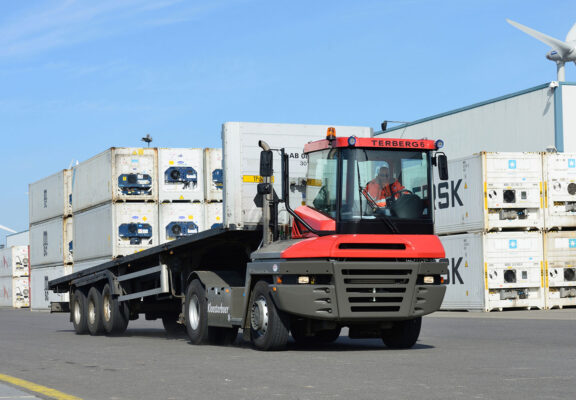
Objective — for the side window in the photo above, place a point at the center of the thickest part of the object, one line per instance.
(415, 176)
(321, 183)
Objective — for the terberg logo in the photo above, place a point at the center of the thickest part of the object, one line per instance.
(453, 274)
(447, 194)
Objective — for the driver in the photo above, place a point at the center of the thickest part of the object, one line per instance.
(380, 187)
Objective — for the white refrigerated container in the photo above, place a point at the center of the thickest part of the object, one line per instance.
(560, 183)
(14, 261)
(560, 258)
(115, 229)
(178, 220)
(494, 270)
(117, 174)
(14, 292)
(241, 161)
(180, 175)
(490, 191)
(213, 175)
(213, 215)
(50, 242)
(50, 197)
(40, 296)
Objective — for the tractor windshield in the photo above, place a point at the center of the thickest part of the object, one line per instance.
(383, 190)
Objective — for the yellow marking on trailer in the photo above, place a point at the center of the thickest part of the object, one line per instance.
(33, 387)
(542, 205)
(545, 274)
(253, 179)
(170, 162)
(190, 217)
(485, 196)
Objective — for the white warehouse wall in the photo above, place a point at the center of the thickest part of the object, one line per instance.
(526, 121)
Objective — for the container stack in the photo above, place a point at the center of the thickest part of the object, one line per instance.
(115, 204)
(560, 224)
(50, 235)
(181, 193)
(489, 216)
(14, 277)
(123, 200)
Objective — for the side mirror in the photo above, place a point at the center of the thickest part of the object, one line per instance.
(266, 169)
(442, 162)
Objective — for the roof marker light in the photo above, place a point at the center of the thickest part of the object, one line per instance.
(439, 143)
(352, 141)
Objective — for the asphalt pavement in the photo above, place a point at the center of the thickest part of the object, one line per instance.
(498, 355)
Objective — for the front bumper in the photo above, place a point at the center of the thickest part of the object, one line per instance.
(362, 291)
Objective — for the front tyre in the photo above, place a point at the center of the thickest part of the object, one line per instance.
(196, 313)
(403, 334)
(269, 328)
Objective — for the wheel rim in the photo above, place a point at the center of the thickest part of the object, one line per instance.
(259, 316)
(77, 312)
(194, 312)
(91, 313)
(107, 308)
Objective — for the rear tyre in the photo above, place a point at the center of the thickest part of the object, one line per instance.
(171, 325)
(78, 310)
(269, 327)
(115, 314)
(222, 336)
(403, 334)
(94, 312)
(328, 336)
(298, 331)
(196, 313)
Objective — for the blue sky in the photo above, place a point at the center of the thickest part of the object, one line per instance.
(77, 77)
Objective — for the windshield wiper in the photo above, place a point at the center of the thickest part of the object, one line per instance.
(377, 210)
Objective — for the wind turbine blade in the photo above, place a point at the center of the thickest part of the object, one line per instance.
(7, 229)
(571, 36)
(562, 47)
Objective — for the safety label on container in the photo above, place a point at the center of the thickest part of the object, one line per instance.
(512, 164)
(513, 244)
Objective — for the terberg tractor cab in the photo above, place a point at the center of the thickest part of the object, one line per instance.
(352, 259)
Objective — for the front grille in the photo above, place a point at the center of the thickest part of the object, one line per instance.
(371, 288)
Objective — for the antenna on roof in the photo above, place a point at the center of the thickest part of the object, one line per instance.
(147, 139)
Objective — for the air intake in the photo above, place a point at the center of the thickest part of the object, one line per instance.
(372, 246)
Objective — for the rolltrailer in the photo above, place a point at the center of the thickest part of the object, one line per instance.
(350, 257)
